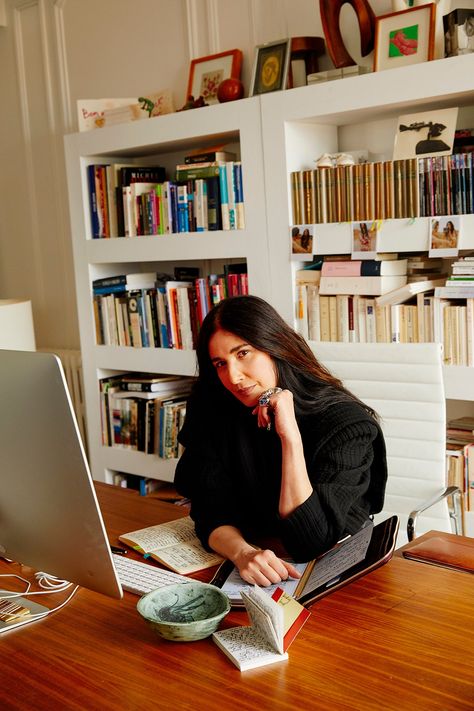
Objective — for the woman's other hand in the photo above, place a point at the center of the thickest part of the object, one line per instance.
(263, 567)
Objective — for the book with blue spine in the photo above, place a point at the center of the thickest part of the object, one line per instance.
(239, 196)
(224, 196)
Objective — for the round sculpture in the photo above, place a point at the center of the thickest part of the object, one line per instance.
(230, 90)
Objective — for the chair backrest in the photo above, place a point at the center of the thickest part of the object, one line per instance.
(403, 383)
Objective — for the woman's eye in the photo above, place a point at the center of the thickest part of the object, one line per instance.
(243, 353)
(219, 364)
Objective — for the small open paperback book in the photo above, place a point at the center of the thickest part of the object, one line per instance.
(174, 545)
(275, 622)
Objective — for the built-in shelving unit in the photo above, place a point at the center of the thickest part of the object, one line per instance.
(163, 140)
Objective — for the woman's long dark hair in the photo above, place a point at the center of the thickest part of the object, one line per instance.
(259, 324)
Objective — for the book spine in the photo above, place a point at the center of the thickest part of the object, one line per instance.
(229, 166)
(239, 196)
(191, 173)
(225, 214)
(214, 214)
(95, 224)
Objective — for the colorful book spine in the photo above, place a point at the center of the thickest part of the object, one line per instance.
(239, 196)
(225, 214)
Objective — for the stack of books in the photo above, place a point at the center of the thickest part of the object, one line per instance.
(460, 457)
(460, 284)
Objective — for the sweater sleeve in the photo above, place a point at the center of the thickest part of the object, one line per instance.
(340, 469)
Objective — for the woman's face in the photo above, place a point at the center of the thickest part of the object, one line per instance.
(242, 369)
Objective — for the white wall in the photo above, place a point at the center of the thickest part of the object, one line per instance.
(54, 52)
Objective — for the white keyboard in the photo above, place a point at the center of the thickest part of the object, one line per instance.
(140, 578)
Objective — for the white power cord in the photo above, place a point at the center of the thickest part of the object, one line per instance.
(49, 583)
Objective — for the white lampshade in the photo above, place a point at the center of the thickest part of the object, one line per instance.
(17, 331)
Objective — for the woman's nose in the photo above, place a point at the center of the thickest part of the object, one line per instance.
(234, 372)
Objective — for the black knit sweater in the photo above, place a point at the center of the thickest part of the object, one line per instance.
(231, 471)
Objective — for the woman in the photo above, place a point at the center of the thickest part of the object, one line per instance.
(275, 447)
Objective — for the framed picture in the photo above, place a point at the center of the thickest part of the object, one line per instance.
(270, 70)
(429, 133)
(206, 73)
(405, 37)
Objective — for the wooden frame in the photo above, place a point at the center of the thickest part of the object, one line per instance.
(206, 73)
(405, 37)
(270, 69)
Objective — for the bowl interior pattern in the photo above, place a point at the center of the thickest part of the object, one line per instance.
(184, 612)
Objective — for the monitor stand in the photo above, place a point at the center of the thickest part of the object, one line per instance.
(33, 607)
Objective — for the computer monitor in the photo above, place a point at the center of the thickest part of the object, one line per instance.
(49, 514)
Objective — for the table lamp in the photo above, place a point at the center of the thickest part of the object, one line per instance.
(16, 325)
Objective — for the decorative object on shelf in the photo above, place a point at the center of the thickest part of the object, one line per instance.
(459, 32)
(403, 38)
(364, 240)
(16, 325)
(90, 112)
(342, 73)
(330, 11)
(97, 113)
(444, 236)
(442, 7)
(426, 133)
(192, 103)
(302, 240)
(304, 53)
(270, 70)
(230, 89)
(206, 73)
(331, 160)
(143, 108)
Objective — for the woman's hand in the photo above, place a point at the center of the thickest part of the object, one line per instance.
(279, 412)
(263, 567)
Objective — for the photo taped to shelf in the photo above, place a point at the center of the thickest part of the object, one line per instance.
(302, 242)
(425, 134)
(364, 240)
(444, 236)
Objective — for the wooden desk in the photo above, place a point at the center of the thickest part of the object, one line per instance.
(399, 638)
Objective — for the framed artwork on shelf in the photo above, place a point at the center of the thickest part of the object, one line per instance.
(206, 73)
(270, 70)
(405, 37)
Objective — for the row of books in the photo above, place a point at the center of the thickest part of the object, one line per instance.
(128, 201)
(404, 188)
(361, 319)
(144, 420)
(460, 457)
(165, 315)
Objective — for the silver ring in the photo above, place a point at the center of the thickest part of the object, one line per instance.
(264, 399)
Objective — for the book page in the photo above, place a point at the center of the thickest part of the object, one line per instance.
(187, 557)
(246, 647)
(340, 558)
(265, 615)
(154, 538)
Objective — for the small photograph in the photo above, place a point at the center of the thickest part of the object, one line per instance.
(302, 240)
(444, 236)
(425, 134)
(364, 240)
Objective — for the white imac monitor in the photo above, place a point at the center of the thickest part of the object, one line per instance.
(49, 514)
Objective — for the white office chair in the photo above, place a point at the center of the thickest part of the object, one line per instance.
(403, 383)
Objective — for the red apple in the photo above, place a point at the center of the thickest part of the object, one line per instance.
(230, 90)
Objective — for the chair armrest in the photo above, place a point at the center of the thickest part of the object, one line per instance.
(453, 491)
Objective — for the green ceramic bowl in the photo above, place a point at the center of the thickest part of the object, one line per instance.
(184, 612)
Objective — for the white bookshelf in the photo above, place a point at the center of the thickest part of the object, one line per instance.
(353, 114)
(164, 141)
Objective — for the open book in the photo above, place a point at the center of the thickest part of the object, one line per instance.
(275, 622)
(350, 558)
(174, 545)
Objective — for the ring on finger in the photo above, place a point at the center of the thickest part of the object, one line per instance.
(264, 399)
